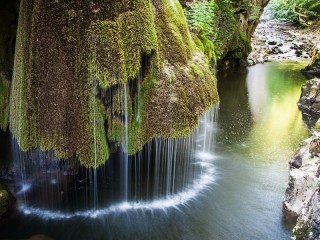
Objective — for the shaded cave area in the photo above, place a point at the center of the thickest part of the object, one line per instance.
(9, 14)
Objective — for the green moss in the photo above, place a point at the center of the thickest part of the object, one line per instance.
(209, 51)
(4, 200)
(102, 47)
(4, 103)
(117, 45)
(175, 42)
(224, 39)
(300, 233)
(96, 153)
(168, 109)
(198, 43)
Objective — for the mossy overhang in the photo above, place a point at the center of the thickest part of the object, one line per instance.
(67, 53)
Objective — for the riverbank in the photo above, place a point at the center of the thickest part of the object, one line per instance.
(276, 40)
(301, 206)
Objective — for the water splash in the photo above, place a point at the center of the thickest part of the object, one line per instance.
(167, 173)
(175, 201)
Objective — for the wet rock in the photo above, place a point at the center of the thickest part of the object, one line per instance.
(314, 147)
(313, 69)
(298, 53)
(303, 182)
(309, 102)
(272, 42)
(308, 226)
(6, 200)
(8, 173)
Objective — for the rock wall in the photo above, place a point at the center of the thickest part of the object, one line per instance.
(8, 29)
(233, 25)
(235, 29)
(87, 74)
(313, 69)
(301, 206)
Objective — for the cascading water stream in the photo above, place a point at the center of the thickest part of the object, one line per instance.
(94, 170)
(125, 137)
(165, 173)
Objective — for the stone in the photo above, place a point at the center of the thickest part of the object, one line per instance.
(313, 69)
(272, 42)
(6, 200)
(314, 147)
(309, 102)
(298, 53)
(303, 181)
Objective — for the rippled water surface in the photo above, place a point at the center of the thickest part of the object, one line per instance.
(235, 188)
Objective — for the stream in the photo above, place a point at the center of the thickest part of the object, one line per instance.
(233, 190)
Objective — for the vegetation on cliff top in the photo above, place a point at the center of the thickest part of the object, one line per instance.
(215, 28)
(298, 11)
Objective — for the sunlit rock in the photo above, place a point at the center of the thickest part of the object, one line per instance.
(313, 69)
(309, 102)
(302, 191)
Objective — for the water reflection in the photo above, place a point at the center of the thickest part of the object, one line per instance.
(259, 129)
(277, 124)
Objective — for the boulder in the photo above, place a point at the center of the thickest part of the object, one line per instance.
(6, 200)
(303, 181)
(313, 69)
(308, 223)
(309, 102)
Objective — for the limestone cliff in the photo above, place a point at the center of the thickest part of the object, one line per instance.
(88, 73)
(301, 206)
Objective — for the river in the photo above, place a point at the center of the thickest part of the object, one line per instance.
(237, 194)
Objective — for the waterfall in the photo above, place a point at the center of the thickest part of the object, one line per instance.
(95, 186)
(165, 173)
(125, 140)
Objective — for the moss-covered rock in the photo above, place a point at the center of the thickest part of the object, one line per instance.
(4, 103)
(232, 25)
(313, 69)
(6, 199)
(90, 73)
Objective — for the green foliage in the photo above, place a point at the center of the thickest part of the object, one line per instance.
(200, 17)
(298, 11)
(300, 232)
(254, 12)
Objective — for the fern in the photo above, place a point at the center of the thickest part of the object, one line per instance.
(200, 17)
